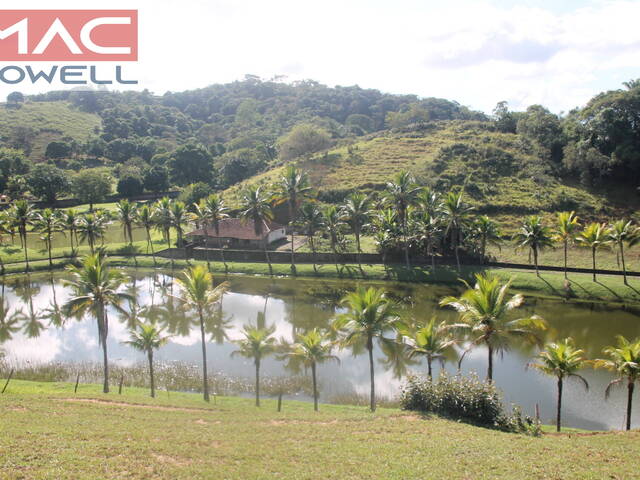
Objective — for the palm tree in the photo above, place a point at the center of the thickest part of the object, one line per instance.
(561, 360)
(622, 232)
(355, 212)
(144, 218)
(429, 202)
(198, 293)
(293, 188)
(432, 341)
(162, 218)
(47, 222)
(311, 220)
(594, 236)
(127, 213)
(533, 234)
(428, 230)
(146, 338)
(483, 313)
(401, 194)
(333, 225)
(92, 227)
(256, 344)
(95, 288)
(178, 217)
(566, 229)
(384, 224)
(311, 349)
(70, 221)
(23, 214)
(215, 211)
(488, 232)
(624, 360)
(456, 218)
(370, 313)
(256, 208)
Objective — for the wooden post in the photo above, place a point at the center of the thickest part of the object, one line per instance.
(75, 389)
(280, 402)
(537, 412)
(120, 385)
(8, 380)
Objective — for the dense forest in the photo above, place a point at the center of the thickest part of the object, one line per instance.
(216, 137)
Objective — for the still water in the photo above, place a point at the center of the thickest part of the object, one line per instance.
(295, 305)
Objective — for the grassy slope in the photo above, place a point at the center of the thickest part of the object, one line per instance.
(50, 120)
(48, 433)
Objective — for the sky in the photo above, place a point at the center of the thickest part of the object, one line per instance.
(558, 53)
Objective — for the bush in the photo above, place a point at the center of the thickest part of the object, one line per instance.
(464, 398)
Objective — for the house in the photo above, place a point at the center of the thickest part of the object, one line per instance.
(236, 233)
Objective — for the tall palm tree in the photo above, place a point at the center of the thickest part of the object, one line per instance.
(370, 314)
(311, 349)
(70, 221)
(334, 226)
(429, 202)
(456, 216)
(622, 232)
(95, 288)
(355, 212)
(594, 236)
(432, 341)
(256, 208)
(401, 193)
(384, 224)
(162, 218)
(561, 360)
(566, 229)
(178, 217)
(127, 213)
(534, 235)
(144, 218)
(293, 188)
(198, 294)
(92, 227)
(147, 337)
(624, 360)
(215, 211)
(23, 214)
(256, 344)
(311, 221)
(428, 230)
(488, 233)
(484, 311)
(47, 222)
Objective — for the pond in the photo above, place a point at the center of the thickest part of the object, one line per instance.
(294, 305)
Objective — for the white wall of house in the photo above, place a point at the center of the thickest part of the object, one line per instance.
(275, 235)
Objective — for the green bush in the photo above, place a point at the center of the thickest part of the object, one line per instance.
(464, 398)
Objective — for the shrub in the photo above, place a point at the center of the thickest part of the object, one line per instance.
(464, 398)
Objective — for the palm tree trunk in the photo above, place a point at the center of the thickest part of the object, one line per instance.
(490, 367)
(150, 245)
(103, 341)
(257, 382)
(593, 258)
(371, 372)
(315, 386)
(484, 248)
(357, 234)
(266, 254)
(624, 267)
(429, 372)
(226, 268)
(630, 387)
(49, 251)
(566, 247)
(535, 260)
(406, 242)
(205, 383)
(455, 250)
(26, 253)
(153, 385)
(559, 412)
(293, 259)
(313, 252)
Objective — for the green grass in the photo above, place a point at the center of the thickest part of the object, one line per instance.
(50, 121)
(48, 432)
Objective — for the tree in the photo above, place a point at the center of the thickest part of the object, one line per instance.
(127, 213)
(15, 98)
(355, 212)
(178, 216)
(256, 207)
(95, 288)
(311, 349)
(334, 226)
(594, 236)
(303, 140)
(24, 215)
(488, 232)
(156, 178)
(256, 344)
(401, 194)
(456, 218)
(533, 234)
(293, 188)
(311, 221)
(432, 341)
(561, 360)
(47, 182)
(428, 230)
(162, 218)
(624, 360)
(198, 294)
(370, 314)
(130, 185)
(47, 222)
(215, 210)
(145, 220)
(92, 227)
(190, 164)
(566, 229)
(92, 185)
(484, 311)
(622, 232)
(70, 220)
(58, 150)
(545, 128)
(147, 337)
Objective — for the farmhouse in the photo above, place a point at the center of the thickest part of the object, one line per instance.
(235, 233)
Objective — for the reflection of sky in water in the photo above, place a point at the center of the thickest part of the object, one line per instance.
(295, 305)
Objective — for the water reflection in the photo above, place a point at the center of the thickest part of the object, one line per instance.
(32, 328)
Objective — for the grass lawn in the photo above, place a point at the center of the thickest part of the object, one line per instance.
(48, 432)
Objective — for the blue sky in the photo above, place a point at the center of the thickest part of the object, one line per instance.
(478, 52)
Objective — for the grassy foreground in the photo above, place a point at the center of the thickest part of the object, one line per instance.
(48, 432)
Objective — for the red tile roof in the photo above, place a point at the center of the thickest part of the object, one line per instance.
(235, 228)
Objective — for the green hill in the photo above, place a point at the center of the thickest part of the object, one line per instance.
(38, 123)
